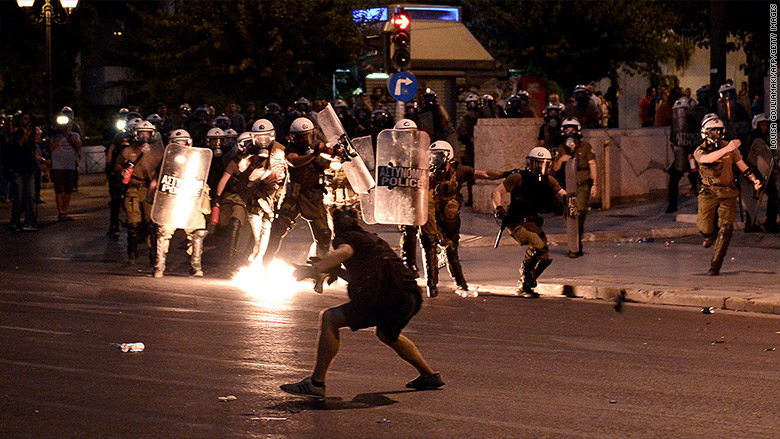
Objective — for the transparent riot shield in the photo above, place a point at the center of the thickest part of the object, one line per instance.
(760, 158)
(402, 167)
(365, 148)
(181, 186)
(358, 175)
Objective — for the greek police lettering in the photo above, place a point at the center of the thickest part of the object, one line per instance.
(177, 186)
(399, 176)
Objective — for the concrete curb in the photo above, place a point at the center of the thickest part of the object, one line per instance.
(659, 233)
(764, 304)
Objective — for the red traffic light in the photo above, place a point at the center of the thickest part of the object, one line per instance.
(401, 21)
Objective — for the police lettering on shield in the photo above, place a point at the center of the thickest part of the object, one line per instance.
(178, 186)
(399, 176)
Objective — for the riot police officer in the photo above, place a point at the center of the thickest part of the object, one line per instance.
(735, 117)
(550, 132)
(587, 170)
(195, 235)
(519, 105)
(583, 108)
(137, 164)
(306, 191)
(443, 225)
(684, 138)
(529, 190)
(442, 128)
(718, 193)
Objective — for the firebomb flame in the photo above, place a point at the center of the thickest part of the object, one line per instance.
(273, 288)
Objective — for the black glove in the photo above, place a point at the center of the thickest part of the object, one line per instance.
(499, 214)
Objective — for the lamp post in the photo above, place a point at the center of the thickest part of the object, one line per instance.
(47, 17)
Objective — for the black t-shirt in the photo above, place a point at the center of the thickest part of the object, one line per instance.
(376, 272)
(528, 194)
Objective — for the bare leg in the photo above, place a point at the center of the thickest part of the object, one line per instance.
(331, 320)
(408, 351)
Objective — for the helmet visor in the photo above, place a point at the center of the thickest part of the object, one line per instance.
(438, 160)
(143, 136)
(539, 166)
(215, 142)
(263, 139)
(714, 134)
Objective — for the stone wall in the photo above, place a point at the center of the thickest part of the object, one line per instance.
(637, 158)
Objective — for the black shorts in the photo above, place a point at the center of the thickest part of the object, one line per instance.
(64, 180)
(389, 317)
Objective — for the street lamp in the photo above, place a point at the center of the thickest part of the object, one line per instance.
(49, 16)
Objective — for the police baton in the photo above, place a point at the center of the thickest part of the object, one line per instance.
(498, 235)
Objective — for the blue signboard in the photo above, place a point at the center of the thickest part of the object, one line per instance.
(402, 86)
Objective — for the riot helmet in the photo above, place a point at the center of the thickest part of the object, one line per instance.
(230, 138)
(263, 133)
(67, 111)
(132, 123)
(539, 161)
(759, 118)
(472, 102)
(123, 113)
(130, 115)
(215, 138)
(412, 108)
(488, 100)
(429, 99)
(341, 108)
(441, 154)
(273, 109)
(181, 137)
(571, 128)
(222, 121)
(303, 105)
(245, 144)
(380, 118)
(405, 124)
(202, 112)
(727, 92)
(712, 129)
(143, 132)
(185, 109)
(580, 93)
(154, 118)
(302, 131)
(552, 113)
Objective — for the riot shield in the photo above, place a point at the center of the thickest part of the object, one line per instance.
(760, 158)
(358, 175)
(570, 212)
(365, 148)
(680, 125)
(402, 167)
(181, 186)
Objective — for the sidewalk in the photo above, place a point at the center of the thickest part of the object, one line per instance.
(615, 264)
(670, 270)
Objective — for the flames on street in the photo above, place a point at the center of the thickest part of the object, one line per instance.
(273, 289)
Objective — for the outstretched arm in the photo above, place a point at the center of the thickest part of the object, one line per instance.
(714, 156)
(488, 175)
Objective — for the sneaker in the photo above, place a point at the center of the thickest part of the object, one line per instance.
(194, 272)
(463, 291)
(30, 228)
(304, 388)
(574, 254)
(430, 382)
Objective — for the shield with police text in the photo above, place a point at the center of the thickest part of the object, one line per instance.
(402, 168)
(181, 186)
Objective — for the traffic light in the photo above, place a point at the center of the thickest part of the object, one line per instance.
(400, 41)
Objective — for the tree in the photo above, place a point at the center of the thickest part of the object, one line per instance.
(212, 51)
(575, 42)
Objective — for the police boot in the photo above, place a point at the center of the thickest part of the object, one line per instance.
(132, 243)
(234, 231)
(456, 272)
(409, 248)
(527, 282)
(581, 227)
(196, 257)
(709, 239)
(721, 246)
(152, 243)
(541, 266)
(430, 260)
(772, 207)
(113, 225)
(162, 252)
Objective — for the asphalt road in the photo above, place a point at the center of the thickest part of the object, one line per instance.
(547, 368)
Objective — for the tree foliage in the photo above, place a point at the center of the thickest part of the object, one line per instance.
(268, 50)
(575, 42)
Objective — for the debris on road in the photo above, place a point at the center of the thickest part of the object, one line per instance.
(227, 398)
(719, 341)
(708, 310)
(383, 421)
(769, 350)
(129, 347)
